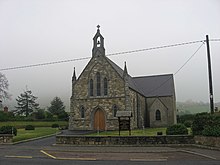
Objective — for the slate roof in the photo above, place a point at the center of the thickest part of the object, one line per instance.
(157, 85)
(149, 86)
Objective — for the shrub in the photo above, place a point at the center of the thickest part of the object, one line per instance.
(29, 127)
(211, 131)
(55, 125)
(8, 130)
(187, 117)
(177, 129)
(202, 121)
(188, 123)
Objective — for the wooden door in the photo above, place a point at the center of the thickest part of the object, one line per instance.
(99, 120)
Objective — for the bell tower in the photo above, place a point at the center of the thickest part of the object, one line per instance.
(98, 44)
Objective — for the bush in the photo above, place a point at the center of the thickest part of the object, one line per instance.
(177, 129)
(8, 130)
(6, 116)
(55, 125)
(188, 123)
(187, 117)
(29, 127)
(202, 121)
(63, 116)
(211, 131)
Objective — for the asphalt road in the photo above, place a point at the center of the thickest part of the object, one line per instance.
(44, 152)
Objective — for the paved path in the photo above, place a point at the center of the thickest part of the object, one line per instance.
(44, 149)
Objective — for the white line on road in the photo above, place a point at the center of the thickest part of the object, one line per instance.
(199, 154)
(25, 157)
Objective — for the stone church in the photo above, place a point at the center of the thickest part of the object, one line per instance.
(103, 88)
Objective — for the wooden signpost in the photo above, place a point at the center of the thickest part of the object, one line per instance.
(124, 121)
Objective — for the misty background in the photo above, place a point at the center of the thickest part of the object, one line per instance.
(39, 31)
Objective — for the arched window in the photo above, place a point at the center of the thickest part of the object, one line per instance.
(91, 87)
(98, 84)
(158, 115)
(115, 109)
(105, 86)
(82, 112)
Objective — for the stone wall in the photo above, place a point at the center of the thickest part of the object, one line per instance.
(167, 107)
(208, 141)
(123, 140)
(6, 138)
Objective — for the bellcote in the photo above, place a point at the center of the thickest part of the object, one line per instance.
(98, 44)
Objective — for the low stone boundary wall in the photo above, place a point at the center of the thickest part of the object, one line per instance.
(6, 138)
(208, 140)
(123, 140)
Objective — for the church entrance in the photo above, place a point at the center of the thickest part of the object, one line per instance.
(99, 120)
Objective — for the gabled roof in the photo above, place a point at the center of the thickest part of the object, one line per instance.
(149, 86)
(157, 85)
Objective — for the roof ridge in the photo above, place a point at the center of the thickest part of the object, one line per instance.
(168, 74)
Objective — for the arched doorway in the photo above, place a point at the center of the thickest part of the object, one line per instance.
(99, 120)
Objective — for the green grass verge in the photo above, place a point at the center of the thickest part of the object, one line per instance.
(23, 134)
(22, 124)
(143, 132)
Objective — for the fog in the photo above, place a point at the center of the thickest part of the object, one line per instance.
(39, 31)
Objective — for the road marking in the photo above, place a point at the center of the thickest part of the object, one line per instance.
(149, 160)
(199, 154)
(60, 158)
(88, 159)
(51, 156)
(25, 157)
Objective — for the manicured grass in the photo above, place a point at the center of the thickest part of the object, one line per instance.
(143, 132)
(23, 134)
(22, 124)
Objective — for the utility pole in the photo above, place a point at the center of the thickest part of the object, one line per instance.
(210, 76)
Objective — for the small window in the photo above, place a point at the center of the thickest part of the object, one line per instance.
(158, 115)
(98, 42)
(82, 112)
(105, 86)
(98, 84)
(91, 87)
(115, 109)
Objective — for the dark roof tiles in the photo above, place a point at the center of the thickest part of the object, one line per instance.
(149, 86)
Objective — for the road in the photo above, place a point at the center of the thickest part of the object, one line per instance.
(44, 151)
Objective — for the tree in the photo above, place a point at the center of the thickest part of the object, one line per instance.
(57, 106)
(39, 114)
(3, 88)
(26, 103)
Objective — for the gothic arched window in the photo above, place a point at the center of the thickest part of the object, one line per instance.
(82, 112)
(98, 84)
(91, 87)
(105, 86)
(115, 109)
(158, 115)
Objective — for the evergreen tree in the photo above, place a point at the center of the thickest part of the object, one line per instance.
(57, 106)
(26, 103)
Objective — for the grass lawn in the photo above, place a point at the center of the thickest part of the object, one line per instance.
(143, 132)
(22, 124)
(23, 134)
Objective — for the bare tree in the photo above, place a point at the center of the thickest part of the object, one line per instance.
(3, 88)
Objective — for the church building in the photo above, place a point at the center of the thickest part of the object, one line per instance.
(103, 88)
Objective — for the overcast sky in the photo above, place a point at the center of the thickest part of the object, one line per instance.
(39, 31)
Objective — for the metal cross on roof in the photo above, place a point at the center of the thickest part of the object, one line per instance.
(98, 26)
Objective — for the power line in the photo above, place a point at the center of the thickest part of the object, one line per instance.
(179, 68)
(189, 58)
(113, 54)
(214, 39)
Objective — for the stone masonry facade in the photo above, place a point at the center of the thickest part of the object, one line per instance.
(103, 88)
